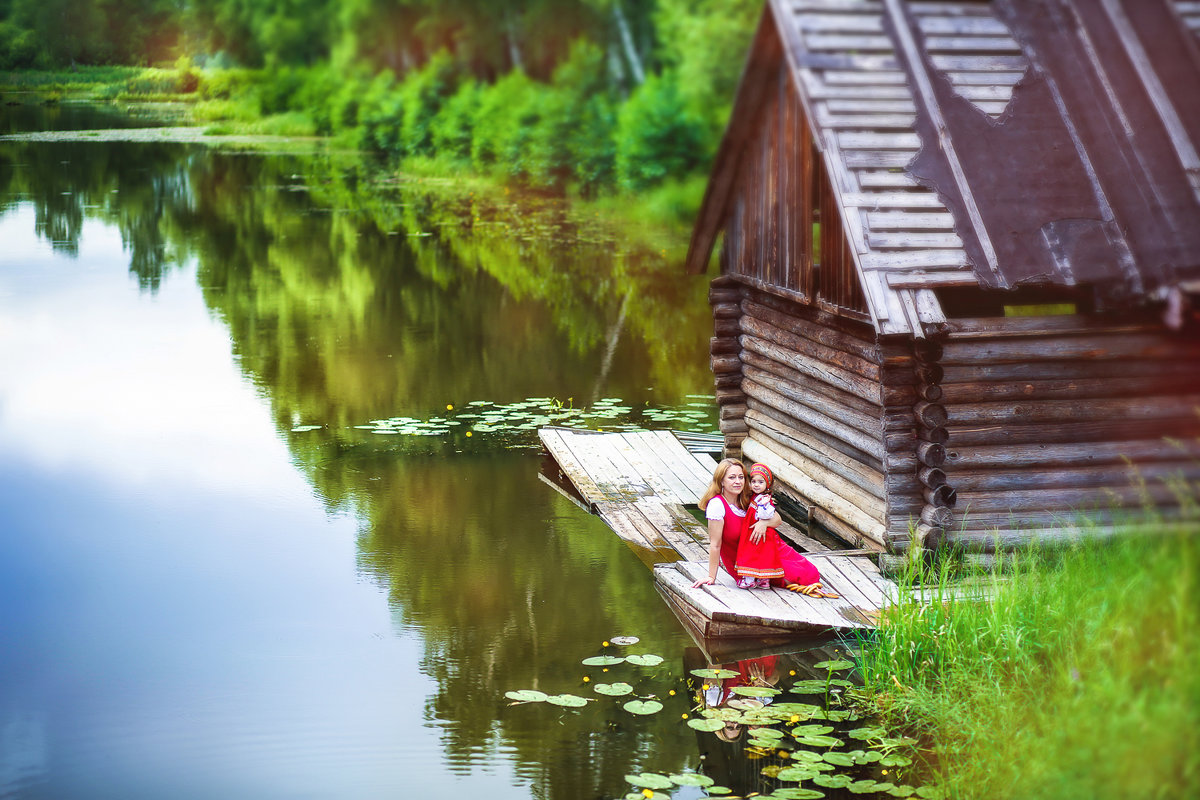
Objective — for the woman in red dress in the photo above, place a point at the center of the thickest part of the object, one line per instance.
(724, 504)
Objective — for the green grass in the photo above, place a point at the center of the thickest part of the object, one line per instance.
(1081, 679)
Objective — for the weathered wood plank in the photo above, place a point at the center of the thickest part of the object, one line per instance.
(979, 63)
(648, 457)
(903, 122)
(878, 201)
(869, 106)
(1073, 454)
(910, 221)
(916, 259)
(971, 44)
(856, 140)
(570, 464)
(682, 464)
(650, 473)
(987, 26)
(885, 179)
(877, 159)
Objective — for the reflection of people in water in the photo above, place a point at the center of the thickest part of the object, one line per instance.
(763, 671)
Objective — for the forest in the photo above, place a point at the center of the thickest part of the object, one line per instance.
(580, 96)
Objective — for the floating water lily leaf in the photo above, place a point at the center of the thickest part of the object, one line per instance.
(568, 700)
(715, 674)
(903, 790)
(895, 761)
(526, 696)
(755, 691)
(805, 710)
(651, 780)
(603, 661)
(867, 733)
(718, 790)
(837, 716)
(727, 714)
(835, 781)
(624, 640)
(643, 707)
(745, 703)
(691, 779)
(870, 757)
(839, 664)
(884, 786)
(812, 686)
(769, 733)
(812, 730)
(644, 659)
(766, 744)
(819, 741)
(862, 787)
(840, 759)
(806, 755)
(839, 682)
(613, 689)
(796, 793)
(705, 724)
(772, 770)
(798, 773)
(930, 792)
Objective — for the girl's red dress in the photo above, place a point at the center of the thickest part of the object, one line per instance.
(796, 568)
(759, 560)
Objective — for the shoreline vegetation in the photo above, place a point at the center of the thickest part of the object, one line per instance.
(1077, 679)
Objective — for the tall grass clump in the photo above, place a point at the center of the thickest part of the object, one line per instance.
(1079, 679)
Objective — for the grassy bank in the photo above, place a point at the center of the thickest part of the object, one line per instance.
(1080, 679)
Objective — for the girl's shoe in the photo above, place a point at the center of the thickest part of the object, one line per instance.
(762, 583)
(746, 583)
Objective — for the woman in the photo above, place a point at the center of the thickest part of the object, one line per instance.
(724, 504)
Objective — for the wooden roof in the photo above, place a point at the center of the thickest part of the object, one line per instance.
(1031, 157)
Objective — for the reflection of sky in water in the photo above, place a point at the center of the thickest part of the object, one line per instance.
(178, 614)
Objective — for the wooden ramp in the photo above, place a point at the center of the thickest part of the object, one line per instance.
(642, 484)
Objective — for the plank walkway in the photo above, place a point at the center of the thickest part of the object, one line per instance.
(642, 484)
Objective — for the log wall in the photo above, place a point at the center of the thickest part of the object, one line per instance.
(829, 408)
(1051, 418)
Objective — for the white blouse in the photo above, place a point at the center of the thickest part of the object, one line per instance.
(716, 509)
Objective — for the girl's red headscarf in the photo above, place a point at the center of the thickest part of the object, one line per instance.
(765, 471)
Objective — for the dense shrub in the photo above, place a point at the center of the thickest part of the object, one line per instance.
(423, 93)
(657, 137)
(450, 128)
(380, 112)
(504, 124)
(18, 48)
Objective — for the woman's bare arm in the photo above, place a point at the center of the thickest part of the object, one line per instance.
(716, 527)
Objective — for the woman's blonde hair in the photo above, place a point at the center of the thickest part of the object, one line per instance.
(718, 478)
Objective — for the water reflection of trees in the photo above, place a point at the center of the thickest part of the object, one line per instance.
(339, 315)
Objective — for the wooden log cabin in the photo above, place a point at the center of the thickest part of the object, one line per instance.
(959, 248)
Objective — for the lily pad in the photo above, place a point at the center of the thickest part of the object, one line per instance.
(650, 780)
(895, 761)
(526, 696)
(644, 659)
(838, 664)
(745, 704)
(819, 741)
(705, 724)
(930, 792)
(867, 733)
(812, 729)
(568, 700)
(624, 640)
(769, 733)
(643, 707)
(835, 781)
(766, 744)
(755, 691)
(719, 790)
(603, 661)
(803, 772)
(903, 790)
(806, 755)
(811, 686)
(862, 787)
(613, 689)
(796, 793)
(714, 674)
(839, 759)
(805, 710)
(691, 779)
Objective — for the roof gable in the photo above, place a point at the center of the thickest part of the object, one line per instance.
(874, 92)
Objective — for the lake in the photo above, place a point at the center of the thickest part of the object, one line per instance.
(272, 524)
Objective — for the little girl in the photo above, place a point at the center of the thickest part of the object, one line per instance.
(758, 563)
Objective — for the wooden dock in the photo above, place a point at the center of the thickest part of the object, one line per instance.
(642, 485)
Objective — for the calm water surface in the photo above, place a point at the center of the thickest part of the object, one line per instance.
(271, 521)
(216, 580)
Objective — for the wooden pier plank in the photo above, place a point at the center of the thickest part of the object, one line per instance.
(642, 485)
